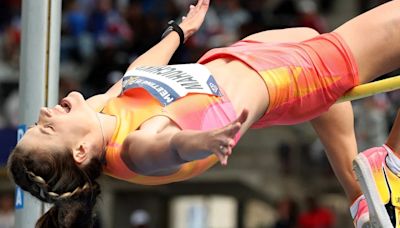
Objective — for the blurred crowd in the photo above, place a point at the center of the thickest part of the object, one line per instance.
(101, 37)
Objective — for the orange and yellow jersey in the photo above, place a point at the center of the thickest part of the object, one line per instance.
(187, 94)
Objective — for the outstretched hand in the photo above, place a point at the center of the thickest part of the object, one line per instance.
(194, 18)
(221, 141)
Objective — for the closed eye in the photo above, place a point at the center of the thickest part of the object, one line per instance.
(49, 126)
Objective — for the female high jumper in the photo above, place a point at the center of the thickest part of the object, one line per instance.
(166, 123)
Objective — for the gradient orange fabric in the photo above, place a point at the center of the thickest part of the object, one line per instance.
(194, 111)
(303, 79)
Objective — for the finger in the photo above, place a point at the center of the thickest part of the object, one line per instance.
(225, 147)
(204, 6)
(191, 10)
(199, 3)
(228, 151)
(224, 161)
(243, 116)
(220, 157)
(203, 3)
(232, 129)
(228, 131)
(231, 143)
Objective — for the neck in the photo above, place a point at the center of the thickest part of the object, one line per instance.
(108, 124)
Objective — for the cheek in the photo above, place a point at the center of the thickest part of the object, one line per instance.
(69, 122)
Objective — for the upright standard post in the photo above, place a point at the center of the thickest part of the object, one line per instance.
(38, 83)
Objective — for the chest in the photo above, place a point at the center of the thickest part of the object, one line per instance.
(158, 124)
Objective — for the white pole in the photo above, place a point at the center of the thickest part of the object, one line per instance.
(38, 83)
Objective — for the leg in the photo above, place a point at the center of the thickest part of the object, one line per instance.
(393, 140)
(284, 35)
(373, 38)
(377, 171)
(336, 131)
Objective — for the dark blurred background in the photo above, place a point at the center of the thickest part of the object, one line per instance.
(277, 177)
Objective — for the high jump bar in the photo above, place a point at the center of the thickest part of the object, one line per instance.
(372, 88)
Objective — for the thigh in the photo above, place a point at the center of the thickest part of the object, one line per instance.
(284, 35)
(374, 40)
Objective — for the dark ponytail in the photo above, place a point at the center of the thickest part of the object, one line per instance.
(69, 213)
(54, 177)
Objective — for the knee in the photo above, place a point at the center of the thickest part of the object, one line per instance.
(310, 31)
(305, 33)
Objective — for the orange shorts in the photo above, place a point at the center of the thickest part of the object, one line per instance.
(303, 79)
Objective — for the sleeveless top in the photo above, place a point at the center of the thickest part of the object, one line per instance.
(187, 94)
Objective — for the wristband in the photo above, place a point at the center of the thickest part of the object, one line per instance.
(173, 26)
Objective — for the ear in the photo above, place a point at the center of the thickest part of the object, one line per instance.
(80, 154)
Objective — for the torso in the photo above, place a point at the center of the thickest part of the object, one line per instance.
(140, 107)
(243, 85)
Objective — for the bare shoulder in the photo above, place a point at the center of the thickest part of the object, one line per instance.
(148, 152)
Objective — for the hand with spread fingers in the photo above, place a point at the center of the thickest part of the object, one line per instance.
(221, 141)
(194, 18)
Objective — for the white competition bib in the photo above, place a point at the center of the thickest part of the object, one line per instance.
(169, 83)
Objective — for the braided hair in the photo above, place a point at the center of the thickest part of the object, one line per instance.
(55, 178)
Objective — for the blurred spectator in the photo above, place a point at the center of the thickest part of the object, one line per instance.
(2, 121)
(6, 210)
(4, 15)
(210, 34)
(394, 101)
(9, 11)
(11, 106)
(326, 6)
(232, 17)
(287, 214)
(285, 157)
(140, 219)
(371, 124)
(76, 43)
(106, 62)
(284, 14)
(108, 26)
(316, 216)
(318, 158)
(11, 43)
(309, 16)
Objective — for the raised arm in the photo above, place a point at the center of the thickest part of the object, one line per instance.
(161, 53)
